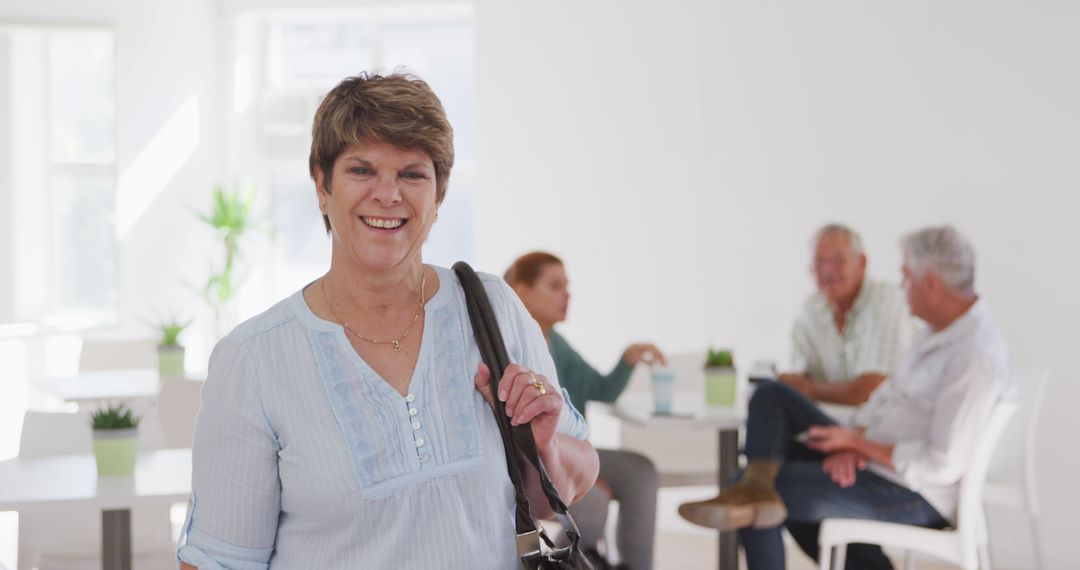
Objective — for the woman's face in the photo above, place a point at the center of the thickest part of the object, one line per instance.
(548, 297)
(381, 204)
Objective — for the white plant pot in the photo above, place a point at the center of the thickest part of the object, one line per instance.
(719, 386)
(115, 451)
(170, 361)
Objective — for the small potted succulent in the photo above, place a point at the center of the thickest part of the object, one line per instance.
(170, 351)
(115, 440)
(719, 378)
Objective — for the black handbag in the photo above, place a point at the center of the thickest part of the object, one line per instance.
(535, 548)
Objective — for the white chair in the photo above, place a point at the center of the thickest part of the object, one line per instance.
(964, 545)
(115, 354)
(1023, 495)
(178, 404)
(61, 536)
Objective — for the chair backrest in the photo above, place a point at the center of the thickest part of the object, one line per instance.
(54, 433)
(63, 433)
(178, 404)
(688, 368)
(1033, 404)
(970, 506)
(113, 354)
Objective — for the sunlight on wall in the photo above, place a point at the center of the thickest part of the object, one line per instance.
(243, 79)
(155, 166)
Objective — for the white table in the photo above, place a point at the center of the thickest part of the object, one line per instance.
(104, 385)
(160, 476)
(690, 413)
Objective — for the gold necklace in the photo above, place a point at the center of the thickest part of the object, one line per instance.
(395, 343)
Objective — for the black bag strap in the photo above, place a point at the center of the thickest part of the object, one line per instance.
(517, 440)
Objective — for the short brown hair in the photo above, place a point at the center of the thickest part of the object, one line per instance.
(526, 269)
(400, 109)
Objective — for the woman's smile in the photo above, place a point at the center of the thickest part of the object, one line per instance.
(383, 225)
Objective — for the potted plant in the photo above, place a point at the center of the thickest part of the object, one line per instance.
(719, 377)
(170, 351)
(115, 440)
(231, 218)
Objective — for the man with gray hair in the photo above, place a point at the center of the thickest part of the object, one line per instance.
(852, 331)
(907, 449)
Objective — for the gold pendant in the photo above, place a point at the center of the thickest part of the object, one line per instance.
(397, 346)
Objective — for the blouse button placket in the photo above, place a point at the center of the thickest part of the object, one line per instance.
(419, 438)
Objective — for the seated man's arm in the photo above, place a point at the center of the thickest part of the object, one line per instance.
(852, 392)
(836, 439)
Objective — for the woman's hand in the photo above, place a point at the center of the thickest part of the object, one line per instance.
(842, 467)
(644, 352)
(530, 399)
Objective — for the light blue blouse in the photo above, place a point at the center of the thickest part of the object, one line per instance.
(304, 458)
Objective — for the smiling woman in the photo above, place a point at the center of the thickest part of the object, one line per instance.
(379, 203)
(349, 425)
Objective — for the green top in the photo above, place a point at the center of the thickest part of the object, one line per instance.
(581, 380)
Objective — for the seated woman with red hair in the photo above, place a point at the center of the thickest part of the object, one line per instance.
(539, 278)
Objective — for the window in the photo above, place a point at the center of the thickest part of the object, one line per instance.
(60, 174)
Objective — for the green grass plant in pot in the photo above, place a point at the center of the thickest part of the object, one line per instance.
(170, 351)
(719, 378)
(231, 218)
(115, 440)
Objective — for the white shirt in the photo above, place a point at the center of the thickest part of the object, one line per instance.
(877, 331)
(935, 405)
(304, 458)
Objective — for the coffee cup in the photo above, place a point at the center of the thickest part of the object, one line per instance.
(663, 383)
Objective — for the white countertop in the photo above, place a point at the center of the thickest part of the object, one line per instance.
(162, 475)
(689, 411)
(104, 385)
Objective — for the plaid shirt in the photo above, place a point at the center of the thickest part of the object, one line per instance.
(877, 331)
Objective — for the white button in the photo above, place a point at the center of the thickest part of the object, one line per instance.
(416, 425)
(420, 442)
(412, 411)
(410, 398)
(423, 457)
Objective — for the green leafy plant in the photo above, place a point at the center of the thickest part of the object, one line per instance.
(719, 358)
(115, 416)
(170, 329)
(231, 218)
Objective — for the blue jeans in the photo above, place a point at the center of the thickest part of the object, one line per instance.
(778, 412)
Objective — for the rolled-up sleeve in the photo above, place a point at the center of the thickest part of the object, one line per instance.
(236, 493)
(956, 423)
(526, 345)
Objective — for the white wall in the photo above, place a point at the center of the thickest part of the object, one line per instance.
(7, 238)
(678, 155)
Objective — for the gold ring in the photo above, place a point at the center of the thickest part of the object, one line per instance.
(538, 384)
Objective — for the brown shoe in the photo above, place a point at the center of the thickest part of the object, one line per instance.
(737, 507)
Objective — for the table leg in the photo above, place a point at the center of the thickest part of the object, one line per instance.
(116, 540)
(728, 456)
